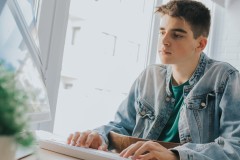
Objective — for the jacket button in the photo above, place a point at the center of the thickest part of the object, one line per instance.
(221, 142)
(142, 113)
(203, 105)
(168, 99)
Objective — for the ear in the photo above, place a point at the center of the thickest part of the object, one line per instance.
(202, 42)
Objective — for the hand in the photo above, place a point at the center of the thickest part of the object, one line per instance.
(148, 151)
(88, 139)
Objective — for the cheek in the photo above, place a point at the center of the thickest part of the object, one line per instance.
(184, 48)
(161, 45)
(159, 42)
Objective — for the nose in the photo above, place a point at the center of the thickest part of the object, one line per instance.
(164, 40)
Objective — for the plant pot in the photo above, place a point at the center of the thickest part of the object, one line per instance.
(7, 148)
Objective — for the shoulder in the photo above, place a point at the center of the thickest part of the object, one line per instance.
(155, 72)
(220, 72)
(224, 68)
(156, 69)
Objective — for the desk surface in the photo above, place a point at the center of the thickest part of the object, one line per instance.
(48, 155)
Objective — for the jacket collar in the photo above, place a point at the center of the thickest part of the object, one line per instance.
(194, 78)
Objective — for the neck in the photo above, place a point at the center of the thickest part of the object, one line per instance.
(183, 72)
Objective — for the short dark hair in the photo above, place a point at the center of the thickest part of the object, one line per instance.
(195, 13)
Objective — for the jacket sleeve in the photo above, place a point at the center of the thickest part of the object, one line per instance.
(227, 145)
(125, 117)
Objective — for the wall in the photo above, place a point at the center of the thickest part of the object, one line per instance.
(225, 45)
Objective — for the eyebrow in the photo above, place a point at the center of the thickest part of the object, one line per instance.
(175, 29)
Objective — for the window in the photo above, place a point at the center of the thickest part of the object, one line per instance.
(36, 4)
(105, 50)
(106, 41)
(20, 53)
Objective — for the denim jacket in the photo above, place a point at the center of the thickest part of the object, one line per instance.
(209, 123)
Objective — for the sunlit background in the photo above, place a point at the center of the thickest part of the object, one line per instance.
(108, 43)
(106, 48)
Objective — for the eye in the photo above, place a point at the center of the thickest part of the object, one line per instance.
(161, 33)
(176, 35)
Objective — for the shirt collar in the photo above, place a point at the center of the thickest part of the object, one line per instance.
(194, 78)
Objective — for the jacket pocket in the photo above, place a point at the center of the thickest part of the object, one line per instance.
(201, 102)
(144, 118)
(200, 113)
(144, 110)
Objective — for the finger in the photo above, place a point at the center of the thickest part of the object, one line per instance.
(153, 150)
(155, 155)
(82, 139)
(146, 147)
(74, 138)
(145, 157)
(126, 150)
(69, 139)
(132, 149)
(123, 152)
(90, 138)
(103, 147)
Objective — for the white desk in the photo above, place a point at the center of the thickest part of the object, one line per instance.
(48, 155)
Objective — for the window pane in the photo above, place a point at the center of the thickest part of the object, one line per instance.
(36, 8)
(105, 51)
(16, 56)
(29, 11)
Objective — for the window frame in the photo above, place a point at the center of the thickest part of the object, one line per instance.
(52, 26)
(22, 25)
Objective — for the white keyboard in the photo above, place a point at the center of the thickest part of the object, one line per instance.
(59, 146)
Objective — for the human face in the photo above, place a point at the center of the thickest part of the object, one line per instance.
(177, 45)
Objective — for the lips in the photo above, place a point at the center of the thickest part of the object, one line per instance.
(164, 52)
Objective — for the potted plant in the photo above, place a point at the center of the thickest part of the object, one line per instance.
(13, 117)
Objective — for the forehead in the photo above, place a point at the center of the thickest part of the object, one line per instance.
(171, 23)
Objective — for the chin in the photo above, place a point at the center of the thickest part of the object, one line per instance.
(165, 61)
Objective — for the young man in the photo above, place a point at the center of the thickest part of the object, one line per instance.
(190, 98)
